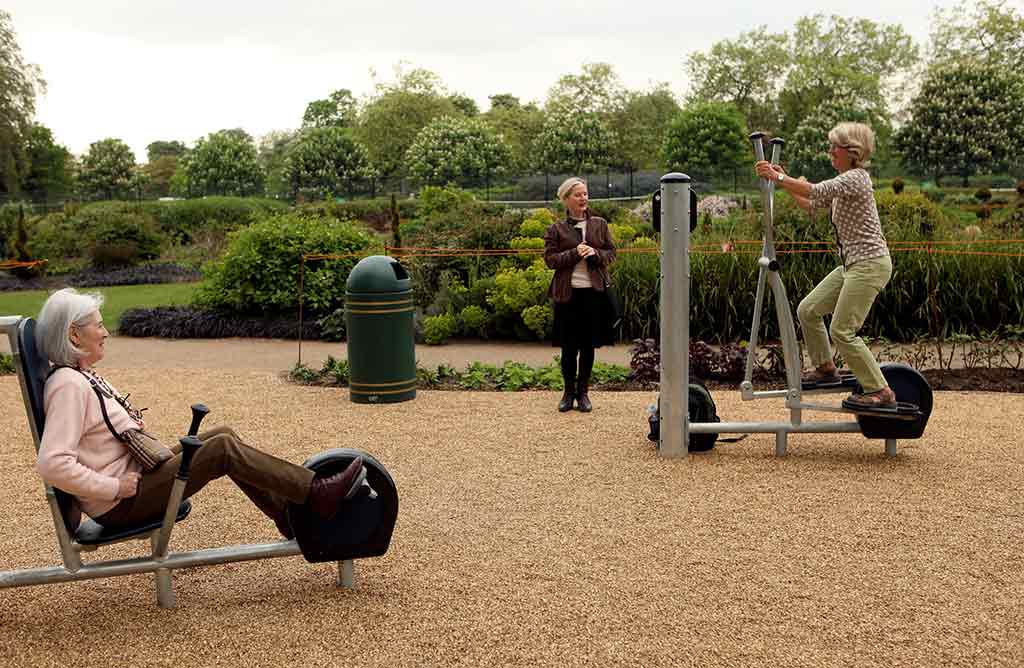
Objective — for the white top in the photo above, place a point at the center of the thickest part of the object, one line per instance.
(580, 273)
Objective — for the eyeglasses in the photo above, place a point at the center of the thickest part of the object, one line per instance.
(834, 147)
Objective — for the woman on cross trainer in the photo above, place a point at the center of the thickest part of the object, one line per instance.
(579, 249)
(865, 266)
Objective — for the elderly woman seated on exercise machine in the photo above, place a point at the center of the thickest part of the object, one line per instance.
(80, 453)
(849, 291)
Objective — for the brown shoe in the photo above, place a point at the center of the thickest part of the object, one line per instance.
(326, 494)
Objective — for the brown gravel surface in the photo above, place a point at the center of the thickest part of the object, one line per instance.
(529, 538)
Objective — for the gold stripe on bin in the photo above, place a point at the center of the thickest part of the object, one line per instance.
(375, 392)
(354, 383)
(388, 310)
(361, 303)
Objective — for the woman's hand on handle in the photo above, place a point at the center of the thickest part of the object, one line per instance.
(767, 170)
(127, 484)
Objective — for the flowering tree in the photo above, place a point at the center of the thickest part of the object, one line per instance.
(706, 136)
(325, 160)
(965, 119)
(108, 170)
(224, 163)
(573, 142)
(451, 148)
(19, 83)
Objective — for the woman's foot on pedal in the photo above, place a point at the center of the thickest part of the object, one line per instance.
(883, 398)
(823, 375)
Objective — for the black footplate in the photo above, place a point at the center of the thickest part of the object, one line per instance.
(846, 380)
(900, 411)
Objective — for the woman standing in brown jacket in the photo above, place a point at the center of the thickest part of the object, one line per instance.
(579, 249)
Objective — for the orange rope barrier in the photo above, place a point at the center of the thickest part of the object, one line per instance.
(15, 264)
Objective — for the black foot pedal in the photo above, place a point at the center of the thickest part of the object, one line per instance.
(900, 411)
(846, 380)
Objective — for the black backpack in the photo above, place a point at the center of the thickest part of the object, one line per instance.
(702, 409)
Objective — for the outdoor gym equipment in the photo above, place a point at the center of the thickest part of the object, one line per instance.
(671, 423)
(361, 528)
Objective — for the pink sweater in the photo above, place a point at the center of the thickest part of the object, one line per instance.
(77, 453)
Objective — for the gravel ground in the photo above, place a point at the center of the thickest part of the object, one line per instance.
(529, 538)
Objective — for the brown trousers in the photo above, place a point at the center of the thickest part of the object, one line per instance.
(269, 482)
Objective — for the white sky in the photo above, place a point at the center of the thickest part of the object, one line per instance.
(143, 70)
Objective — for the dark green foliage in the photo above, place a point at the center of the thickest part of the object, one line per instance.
(184, 322)
(147, 274)
(333, 326)
(259, 272)
(123, 240)
(181, 219)
(6, 364)
(983, 194)
(898, 185)
(376, 213)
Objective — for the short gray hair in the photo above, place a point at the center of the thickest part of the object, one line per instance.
(53, 326)
(857, 139)
(568, 185)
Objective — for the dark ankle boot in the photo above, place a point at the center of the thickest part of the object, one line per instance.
(582, 400)
(326, 494)
(566, 403)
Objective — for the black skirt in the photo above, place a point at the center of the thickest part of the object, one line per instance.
(584, 321)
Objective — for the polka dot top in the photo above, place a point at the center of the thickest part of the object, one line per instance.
(854, 215)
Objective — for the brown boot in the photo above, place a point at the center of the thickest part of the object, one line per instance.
(326, 494)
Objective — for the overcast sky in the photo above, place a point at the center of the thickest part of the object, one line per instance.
(143, 70)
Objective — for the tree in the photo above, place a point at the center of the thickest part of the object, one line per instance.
(807, 148)
(48, 176)
(108, 170)
(325, 161)
(989, 32)
(573, 143)
(746, 72)
(967, 118)
(19, 83)
(398, 111)
(597, 89)
(466, 105)
(457, 149)
(160, 149)
(338, 110)
(706, 136)
(519, 125)
(158, 174)
(641, 127)
(273, 153)
(224, 163)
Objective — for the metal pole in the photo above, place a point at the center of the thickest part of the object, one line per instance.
(675, 315)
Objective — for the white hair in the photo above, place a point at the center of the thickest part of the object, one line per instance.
(565, 189)
(63, 309)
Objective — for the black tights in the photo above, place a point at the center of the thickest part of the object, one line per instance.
(577, 381)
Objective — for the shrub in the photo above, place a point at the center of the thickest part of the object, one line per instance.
(123, 240)
(376, 213)
(909, 216)
(474, 320)
(6, 364)
(644, 242)
(259, 272)
(185, 322)
(621, 234)
(897, 185)
(439, 328)
(539, 319)
(983, 195)
(180, 220)
(56, 237)
(333, 326)
(533, 228)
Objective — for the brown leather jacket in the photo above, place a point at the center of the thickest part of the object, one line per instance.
(560, 241)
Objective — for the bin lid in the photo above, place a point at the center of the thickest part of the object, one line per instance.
(378, 273)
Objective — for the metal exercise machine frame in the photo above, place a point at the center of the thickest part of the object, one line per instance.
(161, 561)
(675, 329)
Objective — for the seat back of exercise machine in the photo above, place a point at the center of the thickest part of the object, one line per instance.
(32, 370)
(364, 524)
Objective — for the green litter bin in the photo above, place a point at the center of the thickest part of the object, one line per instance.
(379, 321)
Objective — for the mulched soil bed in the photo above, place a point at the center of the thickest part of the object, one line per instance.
(527, 537)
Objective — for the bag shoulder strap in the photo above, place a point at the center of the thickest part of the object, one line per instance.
(99, 395)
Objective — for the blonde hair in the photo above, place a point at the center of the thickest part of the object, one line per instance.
(565, 189)
(857, 139)
(63, 309)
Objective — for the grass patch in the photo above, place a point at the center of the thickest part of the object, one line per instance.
(118, 299)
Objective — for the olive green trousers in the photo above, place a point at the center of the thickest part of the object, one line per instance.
(847, 293)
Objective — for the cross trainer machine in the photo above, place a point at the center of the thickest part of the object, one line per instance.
(675, 216)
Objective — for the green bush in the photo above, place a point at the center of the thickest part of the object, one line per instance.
(439, 328)
(474, 321)
(180, 220)
(56, 237)
(621, 234)
(376, 213)
(539, 319)
(908, 216)
(124, 240)
(533, 228)
(260, 269)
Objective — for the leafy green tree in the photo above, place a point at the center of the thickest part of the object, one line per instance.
(706, 136)
(160, 149)
(108, 170)
(273, 154)
(466, 105)
(396, 113)
(338, 110)
(325, 161)
(48, 176)
(967, 118)
(158, 174)
(641, 127)
(519, 125)
(987, 31)
(746, 72)
(19, 83)
(573, 143)
(457, 149)
(224, 163)
(807, 148)
(596, 89)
